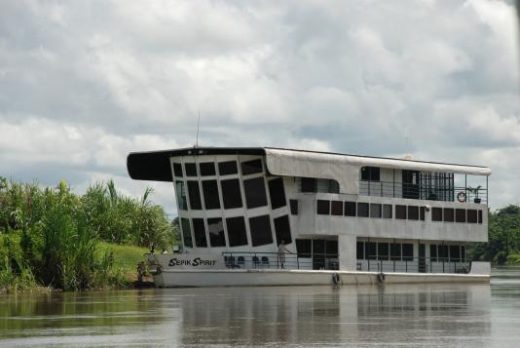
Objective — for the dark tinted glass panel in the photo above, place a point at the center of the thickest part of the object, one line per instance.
(186, 233)
(460, 215)
(360, 251)
(216, 232)
(255, 192)
(350, 208)
(231, 195)
(400, 212)
(370, 250)
(236, 228)
(333, 186)
(382, 251)
(449, 215)
(309, 185)
(413, 212)
(194, 195)
(387, 211)
(303, 247)
(454, 253)
(375, 210)
(251, 167)
(436, 214)
(177, 170)
(277, 193)
(323, 207)
(294, 206)
(421, 213)
(395, 251)
(210, 191)
(200, 233)
(433, 253)
(442, 253)
(181, 195)
(282, 229)
(472, 216)
(462, 253)
(190, 169)
(407, 252)
(370, 174)
(260, 228)
(336, 208)
(362, 209)
(227, 168)
(480, 216)
(207, 168)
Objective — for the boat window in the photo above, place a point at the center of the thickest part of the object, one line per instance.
(395, 251)
(375, 210)
(308, 185)
(436, 214)
(190, 169)
(350, 208)
(442, 251)
(413, 212)
(216, 232)
(303, 247)
(260, 228)
(472, 216)
(207, 168)
(336, 207)
(400, 212)
(387, 211)
(210, 191)
(236, 229)
(231, 195)
(449, 215)
(181, 195)
(294, 206)
(323, 207)
(194, 195)
(251, 167)
(255, 192)
(200, 233)
(282, 229)
(455, 253)
(362, 209)
(227, 168)
(433, 253)
(177, 170)
(407, 252)
(370, 250)
(460, 215)
(360, 248)
(370, 174)
(186, 233)
(480, 216)
(462, 253)
(277, 193)
(382, 251)
(333, 186)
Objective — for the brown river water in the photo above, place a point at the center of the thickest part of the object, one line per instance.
(449, 315)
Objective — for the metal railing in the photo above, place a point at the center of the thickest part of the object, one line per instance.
(415, 264)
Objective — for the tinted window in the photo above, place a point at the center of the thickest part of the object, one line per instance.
(333, 186)
(194, 194)
(255, 192)
(294, 206)
(231, 195)
(370, 250)
(370, 174)
(395, 251)
(382, 251)
(323, 207)
(260, 228)
(236, 228)
(309, 185)
(210, 190)
(480, 216)
(400, 212)
(454, 253)
(442, 253)
(449, 215)
(362, 209)
(436, 214)
(350, 208)
(421, 213)
(200, 233)
(190, 169)
(207, 168)
(177, 169)
(472, 216)
(216, 232)
(375, 210)
(413, 212)
(227, 168)
(181, 195)
(336, 208)
(277, 193)
(303, 247)
(433, 253)
(387, 211)
(460, 215)
(407, 252)
(251, 167)
(360, 248)
(186, 232)
(282, 229)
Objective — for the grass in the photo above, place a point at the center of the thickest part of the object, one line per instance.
(126, 257)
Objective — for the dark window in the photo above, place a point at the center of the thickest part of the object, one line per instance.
(210, 190)
(395, 251)
(216, 232)
(255, 192)
(336, 208)
(260, 228)
(480, 216)
(350, 208)
(370, 250)
(407, 252)
(251, 167)
(194, 194)
(382, 251)
(227, 168)
(177, 170)
(472, 216)
(400, 212)
(294, 206)
(433, 253)
(181, 195)
(360, 251)
(370, 174)
(190, 169)
(436, 214)
(387, 211)
(421, 213)
(323, 207)
(454, 253)
(236, 228)
(460, 215)
(449, 215)
(282, 229)
(277, 193)
(462, 253)
(333, 186)
(413, 212)
(303, 247)
(442, 253)
(231, 195)
(362, 209)
(200, 233)
(375, 210)
(207, 168)
(309, 185)
(186, 233)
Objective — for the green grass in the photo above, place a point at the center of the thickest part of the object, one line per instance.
(126, 257)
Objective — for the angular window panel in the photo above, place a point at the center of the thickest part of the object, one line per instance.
(303, 247)
(251, 167)
(449, 215)
(190, 169)
(336, 208)
(200, 233)
(460, 215)
(360, 248)
(194, 195)
(216, 232)
(309, 185)
(177, 170)
(375, 210)
(207, 169)
(228, 168)
(422, 212)
(181, 195)
(294, 206)
(236, 228)
(387, 211)
(277, 193)
(186, 233)
(210, 191)
(255, 192)
(407, 252)
(362, 209)
(350, 208)
(480, 216)
(413, 212)
(472, 216)
(323, 207)
(260, 228)
(282, 229)
(436, 214)
(400, 212)
(231, 195)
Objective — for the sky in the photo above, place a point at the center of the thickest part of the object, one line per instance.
(83, 83)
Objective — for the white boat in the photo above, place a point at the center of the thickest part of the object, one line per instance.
(343, 219)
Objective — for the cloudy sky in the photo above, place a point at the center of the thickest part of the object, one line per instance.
(83, 83)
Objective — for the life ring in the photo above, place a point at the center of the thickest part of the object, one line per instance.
(381, 277)
(335, 278)
(461, 196)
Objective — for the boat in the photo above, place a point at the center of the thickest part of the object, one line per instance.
(256, 216)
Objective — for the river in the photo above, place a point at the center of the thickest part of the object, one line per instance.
(479, 315)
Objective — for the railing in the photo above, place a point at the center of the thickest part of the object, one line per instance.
(415, 264)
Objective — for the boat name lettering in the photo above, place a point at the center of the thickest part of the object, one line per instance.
(191, 262)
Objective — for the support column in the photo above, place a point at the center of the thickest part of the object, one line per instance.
(347, 252)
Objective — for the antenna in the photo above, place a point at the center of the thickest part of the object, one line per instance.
(197, 136)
